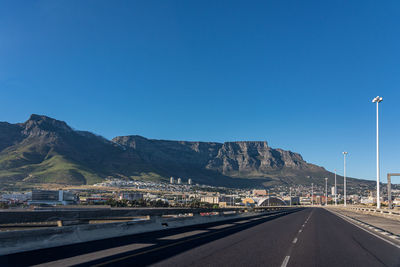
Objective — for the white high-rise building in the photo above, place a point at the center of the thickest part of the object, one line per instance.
(189, 181)
(171, 180)
(179, 180)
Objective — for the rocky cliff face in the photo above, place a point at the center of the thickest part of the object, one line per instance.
(175, 152)
(254, 159)
(236, 159)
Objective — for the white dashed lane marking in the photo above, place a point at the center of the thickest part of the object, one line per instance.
(183, 235)
(95, 255)
(221, 226)
(285, 261)
(245, 221)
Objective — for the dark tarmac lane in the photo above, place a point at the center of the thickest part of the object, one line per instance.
(307, 237)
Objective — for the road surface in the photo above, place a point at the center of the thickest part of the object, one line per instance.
(308, 237)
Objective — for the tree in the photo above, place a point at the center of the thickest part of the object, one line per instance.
(4, 205)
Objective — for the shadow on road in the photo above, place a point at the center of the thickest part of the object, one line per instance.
(161, 249)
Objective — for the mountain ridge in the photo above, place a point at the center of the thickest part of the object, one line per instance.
(46, 150)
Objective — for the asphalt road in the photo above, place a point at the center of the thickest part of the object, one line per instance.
(308, 237)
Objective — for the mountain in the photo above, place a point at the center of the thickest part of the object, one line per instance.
(45, 150)
(252, 160)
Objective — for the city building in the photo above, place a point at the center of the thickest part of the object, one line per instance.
(16, 197)
(248, 202)
(396, 202)
(367, 200)
(49, 197)
(95, 199)
(227, 199)
(171, 180)
(210, 199)
(305, 201)
(317, 200)
(189, 181)
(260, 193)
(130, 196)
(179, 181)
(292, 200)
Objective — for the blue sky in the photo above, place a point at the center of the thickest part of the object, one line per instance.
(299, 74)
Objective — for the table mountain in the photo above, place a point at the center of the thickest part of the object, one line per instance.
(45, 150)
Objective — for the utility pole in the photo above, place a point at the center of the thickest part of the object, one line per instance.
(344, 177)
(335, 190)
(312, 194)
(290, 196)
(326, 191)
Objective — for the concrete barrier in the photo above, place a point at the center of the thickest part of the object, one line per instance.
(25, 240)
(25, 216)
(391, 214)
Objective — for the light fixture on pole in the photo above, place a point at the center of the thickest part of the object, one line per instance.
(335, 190)
(344, 177)
(377, 100)
(326, 191)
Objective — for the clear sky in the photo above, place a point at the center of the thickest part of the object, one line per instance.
(299, 74)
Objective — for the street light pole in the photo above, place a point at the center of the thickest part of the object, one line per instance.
(326, 191)
(335, 190)
(344, 177)
(312, 194)
(377, 100)
(268, 197)
(290, 196)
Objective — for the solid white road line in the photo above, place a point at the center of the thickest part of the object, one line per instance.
(381, 238)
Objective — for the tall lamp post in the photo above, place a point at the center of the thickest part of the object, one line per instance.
(268, 197)
(326, 191)
(377, 100)
(335, 190)
(344, 177)
(312, 194)
(290, 196)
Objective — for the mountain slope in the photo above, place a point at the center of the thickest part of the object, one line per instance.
(45, 150)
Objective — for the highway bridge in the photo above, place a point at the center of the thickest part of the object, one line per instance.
(286, 237)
